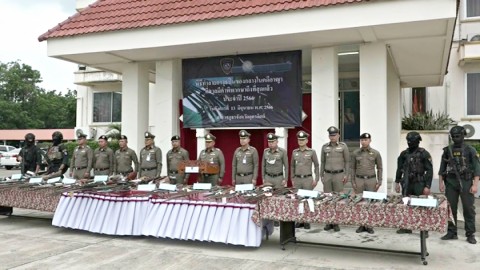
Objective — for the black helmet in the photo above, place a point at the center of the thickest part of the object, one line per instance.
(414, 136)
(30, 137)
(458, 130)
(57, 135)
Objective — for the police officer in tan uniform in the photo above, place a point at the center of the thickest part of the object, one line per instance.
(214, 156)
(275, 163)
(103, 157)
(301, 167)
(245, 161)
(82, 159)
(334, 167)
(124, 157)
(364, 177)
(174, 157)
(150, 158)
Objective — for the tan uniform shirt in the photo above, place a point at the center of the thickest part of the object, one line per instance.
(214, 156)
(301, 163)
(245, 161)
(275, 162)
(364, 161)
(123, 161)
(174, 157)
(82, 158)
(335, 157)
(103, 159)
(151, 158)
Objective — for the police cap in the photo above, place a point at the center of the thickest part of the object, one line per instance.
(271, 137)
(81, 136)
(209, 137)
(302, 135)
(332, 130)
(103, 137)
(123, 137)
(458, 130)
(149, 135)
(243, 134)
(175, 138)
(365, 136)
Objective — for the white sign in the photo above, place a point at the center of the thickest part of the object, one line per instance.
(100, 178)
(35, 180)
(147, 187)
(244, 187)
(195, 169)
(423, 202)
(202, 186)
(68, 181)
(374, 195)
(16, 176)
(169, 187)
(53, 180)
(307, 193)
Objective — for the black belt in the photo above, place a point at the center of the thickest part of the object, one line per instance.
(102, 169)
(302, 176)
(80, 168)
(274, 175)
(173, 171)
(334, 172)
(244, 174)
(365, 176)
(149, 169)
(209, 174)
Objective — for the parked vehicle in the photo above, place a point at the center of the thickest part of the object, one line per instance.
(6, 148)
(9, 159)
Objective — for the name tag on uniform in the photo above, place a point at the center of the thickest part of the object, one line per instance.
(100, 178)
(170, 187)
(202, 186)
(192, 169)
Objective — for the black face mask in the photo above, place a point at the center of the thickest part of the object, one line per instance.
(29, 143)
(458, 139)
(413, 144)
(56, 140)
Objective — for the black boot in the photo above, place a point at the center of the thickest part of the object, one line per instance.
(307, 226)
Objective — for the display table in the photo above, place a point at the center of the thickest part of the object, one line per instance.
(377, 214)
(41, 199)
(137, 213)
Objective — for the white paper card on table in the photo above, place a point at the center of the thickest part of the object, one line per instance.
(53, 180)
(244, 187)
(165, 186)
(310, 205)
(224, 199)
(16, 176)
(35, 180)
(68, 181)
(100, 178)
(374, 195)
(307, 193)
(423, 202)
(190, 169)
(202, 186)
(146, 187)
(301, 207)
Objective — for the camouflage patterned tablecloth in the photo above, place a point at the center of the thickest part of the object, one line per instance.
(42, 199)
(346, 213)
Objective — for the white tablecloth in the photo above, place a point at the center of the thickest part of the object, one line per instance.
(228, 223)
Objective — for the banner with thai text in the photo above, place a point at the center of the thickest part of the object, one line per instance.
(250, 90)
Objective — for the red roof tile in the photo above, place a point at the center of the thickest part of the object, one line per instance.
(40, 134)
(113, 15)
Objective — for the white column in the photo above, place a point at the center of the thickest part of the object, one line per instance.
(373, 100)
(324, 96)
(200, 133)
(282, 134)
(164, 113)
(394, 124)
(135, 104)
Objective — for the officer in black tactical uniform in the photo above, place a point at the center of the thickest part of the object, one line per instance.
(29, 156)
(57, 157)
(414, 170)
(458, 176)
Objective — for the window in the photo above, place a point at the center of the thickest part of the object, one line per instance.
(418, 100)
(473, 93)
(473, 8)
(107, 107)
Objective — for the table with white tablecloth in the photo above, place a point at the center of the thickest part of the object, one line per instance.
(137, 213)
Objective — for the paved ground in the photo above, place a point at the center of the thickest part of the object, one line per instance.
(29, 241)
